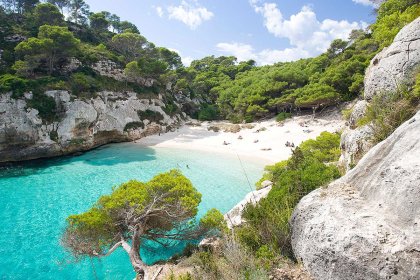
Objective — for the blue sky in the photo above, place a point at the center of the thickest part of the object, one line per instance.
(267, 31)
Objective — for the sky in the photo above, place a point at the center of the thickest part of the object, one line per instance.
(267, 31)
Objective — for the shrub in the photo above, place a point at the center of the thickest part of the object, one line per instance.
(283, 116)
(208, 113)
(268, 221)
(133, 125)
(231, 261)
(150, 115)
(81, 83)
(214, 220)
(389, 110)
(45, 105)
(13, 83)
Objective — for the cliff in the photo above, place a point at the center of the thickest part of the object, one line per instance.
(366, 224)
(79, 124)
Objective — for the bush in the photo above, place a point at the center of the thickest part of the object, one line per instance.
(214, 220)
(150, 115)
(13, 83)
(388, 110)
(208, 113)
(231, 261)
(45, 105)
(267, 228)
(283, 116)
(81, 83)
(133, 126)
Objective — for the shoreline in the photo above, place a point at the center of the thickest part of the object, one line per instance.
(263, 142)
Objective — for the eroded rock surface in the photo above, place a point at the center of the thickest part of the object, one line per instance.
(388, 70)
(234, 218)
(366, 225)
(81, 124)
(391, 67)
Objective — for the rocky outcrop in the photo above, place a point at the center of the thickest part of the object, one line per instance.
(388, 70)
(81, 124)
(233, 218)
(391, 67)
(366, 225)
(111, 69)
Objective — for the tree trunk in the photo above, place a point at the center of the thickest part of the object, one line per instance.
(134, 253)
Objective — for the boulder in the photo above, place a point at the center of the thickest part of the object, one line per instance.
(366, 225)
(388, 70)
(233, 218)
(358, 112)
(391, 67)
(354, 144)
(211, 243)
(265, 184)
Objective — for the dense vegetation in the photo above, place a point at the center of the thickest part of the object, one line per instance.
(246, 92)
(40, 50)
(224, 87)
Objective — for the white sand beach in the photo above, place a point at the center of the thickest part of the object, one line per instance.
(264, 142)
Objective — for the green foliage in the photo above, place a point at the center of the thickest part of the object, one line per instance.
(388, 110)
(208, 113)
(99, 22)
(283, 116)
(392, 16)
(12, 83)
(230, 261)
(45, 105)
(214, 220)
(47, 14)
(89, 233)
(81, 83)
(53, 44)
(267, 228)
(129, 45)
(315, 95)
(150, 115)
(133, 125)
(324, 148)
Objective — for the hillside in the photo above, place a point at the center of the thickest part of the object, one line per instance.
(52, 68)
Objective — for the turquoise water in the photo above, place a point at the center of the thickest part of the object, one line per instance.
(36, 198)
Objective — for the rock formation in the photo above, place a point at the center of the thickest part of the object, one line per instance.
(81, 124)
(388, 70)
(233, 218)
(366, 225)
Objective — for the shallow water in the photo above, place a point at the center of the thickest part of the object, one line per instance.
(36, 198)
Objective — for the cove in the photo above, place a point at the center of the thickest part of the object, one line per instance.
(36, 197)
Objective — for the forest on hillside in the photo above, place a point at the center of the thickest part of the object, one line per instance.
(38, 43)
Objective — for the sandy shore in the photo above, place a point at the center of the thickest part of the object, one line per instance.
(264, 142)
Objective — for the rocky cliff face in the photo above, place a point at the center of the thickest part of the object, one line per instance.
(366, 225)
(388, 70)
(81, 124)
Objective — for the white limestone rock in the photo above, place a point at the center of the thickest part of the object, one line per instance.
(392, 66)
(233, 218)
(366, 225)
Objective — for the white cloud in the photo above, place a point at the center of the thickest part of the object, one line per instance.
(159, 11)
(241, 51)
(191, 14)
(304, 31)
(367, 3)
(268, 56)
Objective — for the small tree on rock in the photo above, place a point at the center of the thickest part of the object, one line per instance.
(159, 210)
